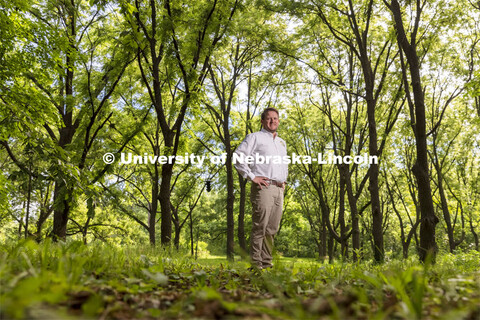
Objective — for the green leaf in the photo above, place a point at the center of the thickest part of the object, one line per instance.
(93, 306)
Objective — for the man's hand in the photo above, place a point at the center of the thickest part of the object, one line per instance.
(261, 181)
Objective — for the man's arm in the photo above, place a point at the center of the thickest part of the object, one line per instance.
(246, 149)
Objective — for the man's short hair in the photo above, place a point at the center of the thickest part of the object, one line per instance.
(264, 113)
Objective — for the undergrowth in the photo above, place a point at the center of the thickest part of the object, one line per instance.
(72, 281)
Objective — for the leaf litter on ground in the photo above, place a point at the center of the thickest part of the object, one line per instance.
(75, 281)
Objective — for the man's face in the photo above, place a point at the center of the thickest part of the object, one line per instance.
(271, 121)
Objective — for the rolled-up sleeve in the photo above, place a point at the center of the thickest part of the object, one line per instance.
(245, 148)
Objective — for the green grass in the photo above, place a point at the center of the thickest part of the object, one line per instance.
(71, 280)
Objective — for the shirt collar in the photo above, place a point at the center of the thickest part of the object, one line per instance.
(268, 132)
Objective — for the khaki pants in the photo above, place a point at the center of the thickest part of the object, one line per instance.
(267, 206)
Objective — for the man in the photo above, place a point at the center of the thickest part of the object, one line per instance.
(268, 183)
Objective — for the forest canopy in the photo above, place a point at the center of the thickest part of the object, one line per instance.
(83, 82)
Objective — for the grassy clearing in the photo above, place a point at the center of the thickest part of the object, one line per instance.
(71, 280)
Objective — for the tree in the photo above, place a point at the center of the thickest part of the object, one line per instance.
(73, 88)
(413, 56)
(174, 44)
(416, 102)
(375, 57)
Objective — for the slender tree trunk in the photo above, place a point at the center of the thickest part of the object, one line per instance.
(352, 201)
(152, 216)
(475, 235)
(164, 198)
(320, 244)
(62, 194)
(176, 238)
(377, 215)
(44, 214)
(85, 230)
(20, 222)
(62, 209)
(230, 202)
(341, 215)
(428, 245)
(400, 221)
(446, 212)
(331, 249)
(191, 234)
(241, 213)
(29, 195)
(41, 220)
(325, 211)
(177, 226)
(345, 172)
(323, 239)
(429, 220)
(443, 198)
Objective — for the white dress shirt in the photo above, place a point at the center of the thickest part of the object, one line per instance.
(264, 144)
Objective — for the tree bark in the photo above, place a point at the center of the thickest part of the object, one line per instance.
(475, 235)
(61, 211)
(164, 199)
(152, 215)
(323, 239)
(377, 215)
(62, 194)
(230, 201)
(445, 210)
(428, 246)
(229, 168)
(29, 196)
(341, 214)
(369, 78)
(242, 242)
(352, 201)
(330, 249)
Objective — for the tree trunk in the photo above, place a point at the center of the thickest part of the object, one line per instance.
(62, 195)
(341, 214)
(44, 214)
(475, 235)
(191, 234)
(377, 215)
(369, 78)
(62, 208)
(20, 222)
(176, 238)
(428, 245)
(352, 201)
(152, 215)
(85, 230)
(400, 221)
(164, 198)
(330, 249)
(323, 240)
(165, 194)
(29, 196)
(230, 202)
(325, 211)
(241, 213)
(446, 212)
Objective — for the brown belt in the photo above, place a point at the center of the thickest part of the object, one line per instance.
(275, 183)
